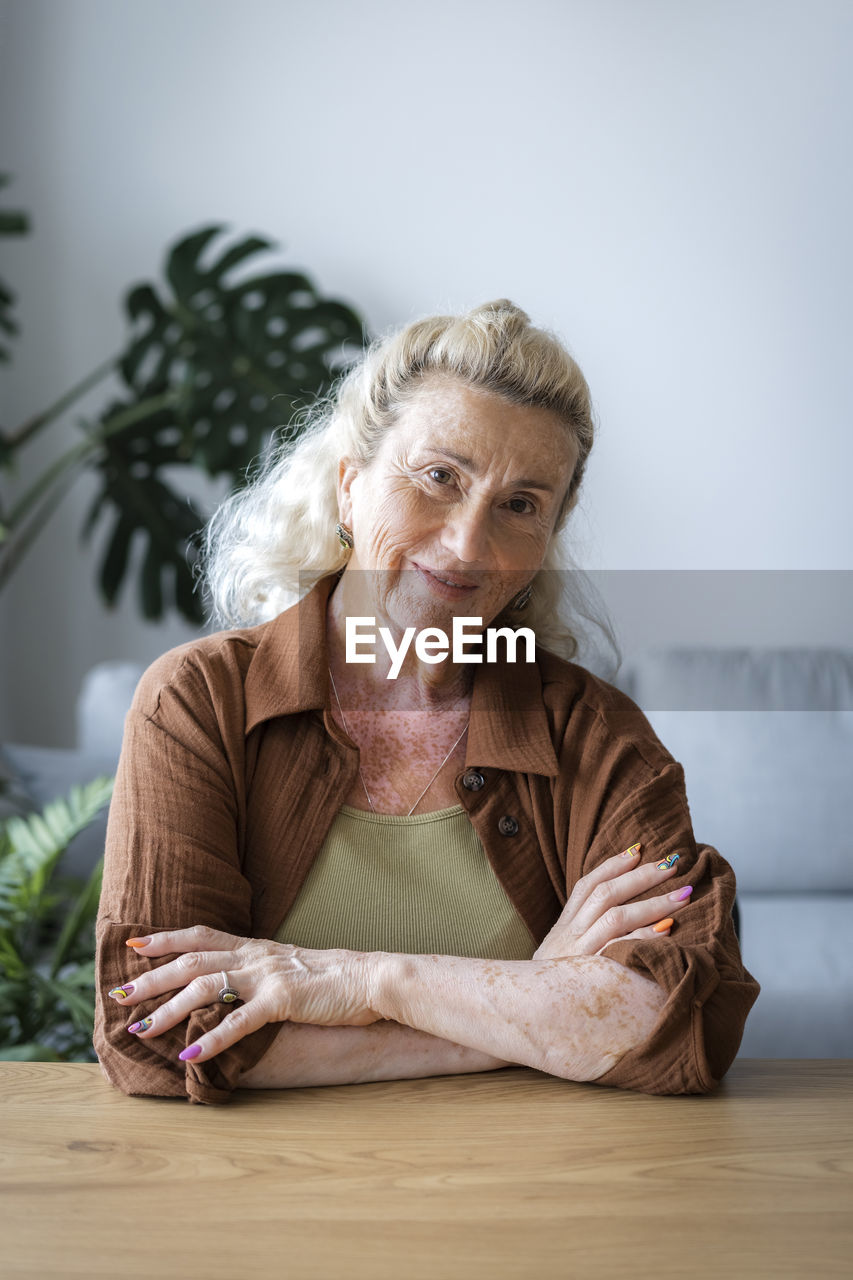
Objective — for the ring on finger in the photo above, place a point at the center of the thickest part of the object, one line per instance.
(228, 994)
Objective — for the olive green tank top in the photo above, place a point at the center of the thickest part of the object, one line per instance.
(421, 885)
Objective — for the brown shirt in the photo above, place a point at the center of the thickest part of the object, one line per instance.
(232, 770)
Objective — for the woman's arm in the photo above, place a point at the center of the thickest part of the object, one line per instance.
(576, 1023)
(568, 1014)
(568, 1011)
(171, 858)
(573, 1017)
(303, 1055)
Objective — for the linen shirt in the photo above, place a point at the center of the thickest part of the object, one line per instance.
(232, 770)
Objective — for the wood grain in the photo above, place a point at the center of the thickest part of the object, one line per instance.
(506, 1174)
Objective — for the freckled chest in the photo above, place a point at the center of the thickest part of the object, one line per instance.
(400, 752)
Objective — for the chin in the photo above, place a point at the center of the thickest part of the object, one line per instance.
(412, 608)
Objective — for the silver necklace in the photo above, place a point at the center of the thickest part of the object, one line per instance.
(361, 775)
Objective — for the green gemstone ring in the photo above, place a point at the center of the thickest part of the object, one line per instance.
(228, 994)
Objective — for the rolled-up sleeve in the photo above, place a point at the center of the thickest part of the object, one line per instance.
(699, 967)
(172, 860)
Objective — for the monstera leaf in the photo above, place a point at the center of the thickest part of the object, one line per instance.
(214, 366)
(11, 224)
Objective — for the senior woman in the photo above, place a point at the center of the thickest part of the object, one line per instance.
(340, 850)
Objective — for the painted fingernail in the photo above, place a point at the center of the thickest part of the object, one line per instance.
(681, 895)
(669, 861)
(121, 993)
(191, 1052)
(663, 925)
(633, 852)
(137, 942)
(144, 1025)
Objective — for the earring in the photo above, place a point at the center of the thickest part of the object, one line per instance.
(522, 600)
(345, 537)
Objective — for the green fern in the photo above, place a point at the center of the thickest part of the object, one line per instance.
(47, 932)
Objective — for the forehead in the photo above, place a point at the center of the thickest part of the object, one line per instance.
(448, 411)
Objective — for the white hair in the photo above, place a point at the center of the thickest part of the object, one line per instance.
(270, 542)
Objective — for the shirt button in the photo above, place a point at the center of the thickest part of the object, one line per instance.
(473, 781)
(507, 825)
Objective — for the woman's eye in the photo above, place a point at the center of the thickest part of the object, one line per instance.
(440, 475)
(521, 506)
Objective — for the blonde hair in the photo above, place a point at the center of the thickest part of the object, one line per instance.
(268, 543)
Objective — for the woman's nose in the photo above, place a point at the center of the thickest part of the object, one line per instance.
(465, 533)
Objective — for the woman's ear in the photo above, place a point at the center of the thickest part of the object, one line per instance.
(347, 472)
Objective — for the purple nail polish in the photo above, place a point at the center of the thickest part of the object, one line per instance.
(189, 1053)
(682, 895)
(136, 1027)
(119, 993)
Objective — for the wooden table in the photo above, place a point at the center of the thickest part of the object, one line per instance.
(504, 1174)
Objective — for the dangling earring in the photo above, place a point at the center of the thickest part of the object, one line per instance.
(522, 600)
(345, 537)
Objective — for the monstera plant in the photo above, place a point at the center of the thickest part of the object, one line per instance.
(12, 223)
(213, 365)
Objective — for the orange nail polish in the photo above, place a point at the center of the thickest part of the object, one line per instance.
(632, 852)
(137, 942)
(663, 925)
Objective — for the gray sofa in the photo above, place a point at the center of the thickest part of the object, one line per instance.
(766, 740)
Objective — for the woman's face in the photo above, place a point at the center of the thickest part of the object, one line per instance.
(454, 513)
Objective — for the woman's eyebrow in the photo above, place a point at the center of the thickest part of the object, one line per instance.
(524, 482)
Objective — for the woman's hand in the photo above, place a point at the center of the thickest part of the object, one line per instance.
(276, 983)
(601, 910)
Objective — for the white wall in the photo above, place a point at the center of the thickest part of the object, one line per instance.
(665, 182)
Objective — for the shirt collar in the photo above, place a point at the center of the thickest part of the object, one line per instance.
(289, 673)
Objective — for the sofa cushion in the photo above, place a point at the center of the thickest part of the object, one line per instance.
(698, 679)
(771, 791)
(768, 786)
(797, 946)
(102, 704)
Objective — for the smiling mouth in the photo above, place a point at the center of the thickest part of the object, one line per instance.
(450, 581)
